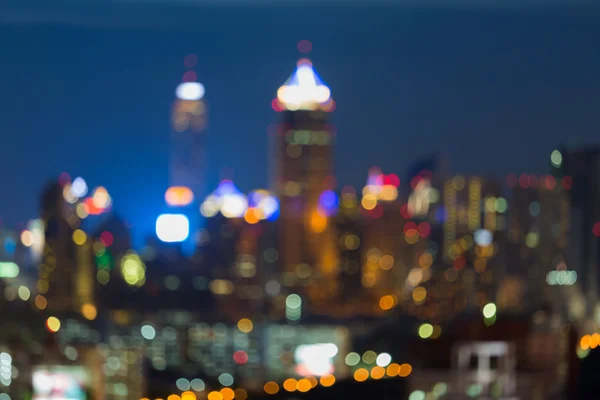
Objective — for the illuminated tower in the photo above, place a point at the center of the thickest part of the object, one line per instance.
(189, 120)
(303, 182)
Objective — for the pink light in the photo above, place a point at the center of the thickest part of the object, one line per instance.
(304, 46)
(107, 238)
(190, 76)
(240, 357)
(190, 61)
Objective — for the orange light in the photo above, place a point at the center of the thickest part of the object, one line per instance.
(313, 381)
(318, 222)
(585, 342)
(290, 385)
(387, 302)
(240, 394)
(89, 311)
(179, 196)
(327, 380)
(271, 388)
(361, 375)
(393, 369)
(227, 394)
(173, 397)
(304, 385)
(594, 341)
(251, 216)
(188, 395)
(41, 302)
(215, 396)
(405, 370)
(377, 372)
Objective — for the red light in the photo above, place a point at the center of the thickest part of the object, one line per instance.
(190, 76)
(64, 178)
(511, 180)
(567, 182)
(410, 226)
(406, 211)
(276, 105)
(190, 61)
(240, 357)
(459, 263)
(377, 211)
(91, 208)
(304, 46)
(534, 181)
(424, 229)
(394, 180)
(550, 182)
(524, 180)
(415, 181)
(106, 238)
(596, 229)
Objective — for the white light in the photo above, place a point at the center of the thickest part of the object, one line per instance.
(383, 360)
(79, 187)
(315, 359)
(483, 237)
(148, 332)
(234, 206)
(190, 91)
(171, 228)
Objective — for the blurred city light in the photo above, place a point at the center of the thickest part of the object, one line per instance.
(172, 228)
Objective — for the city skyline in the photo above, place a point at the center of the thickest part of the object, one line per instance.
(80, 140)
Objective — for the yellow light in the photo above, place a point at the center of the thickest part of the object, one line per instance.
(188, 395)
(377, 372)
(327, 380)
(405, 370)
(79, 237)
(419, 294)
(271, 388)
(89, 311)
(369, 202)
(318, 222)
(304, 385)
(53, 324)
(101, 199)
(387, 302)
(425, 331)
(361, 375)
(386, 262)
(82, 210)
(215, 396)
(103, 276)
(290, 385)
(227, 394)
(179, 196)
(133, 269)
(393, 369)
(41, 302)
(240, 394)
(27, 238)
(245, 325)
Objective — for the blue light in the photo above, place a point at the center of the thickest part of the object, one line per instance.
(328, 202)
(9, 246)
(172, 228)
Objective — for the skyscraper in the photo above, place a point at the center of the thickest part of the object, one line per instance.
(304, 180)
(189, 121)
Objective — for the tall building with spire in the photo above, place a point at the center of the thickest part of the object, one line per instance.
(189, 119)
(303, 181)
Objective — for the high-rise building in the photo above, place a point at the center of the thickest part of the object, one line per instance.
(189, 118)
(304, 180)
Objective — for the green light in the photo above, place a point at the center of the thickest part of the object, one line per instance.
(425, 331)
(489, 311)
(9, 270)
(556, 158)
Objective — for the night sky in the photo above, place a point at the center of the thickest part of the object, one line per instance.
(495, 90)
